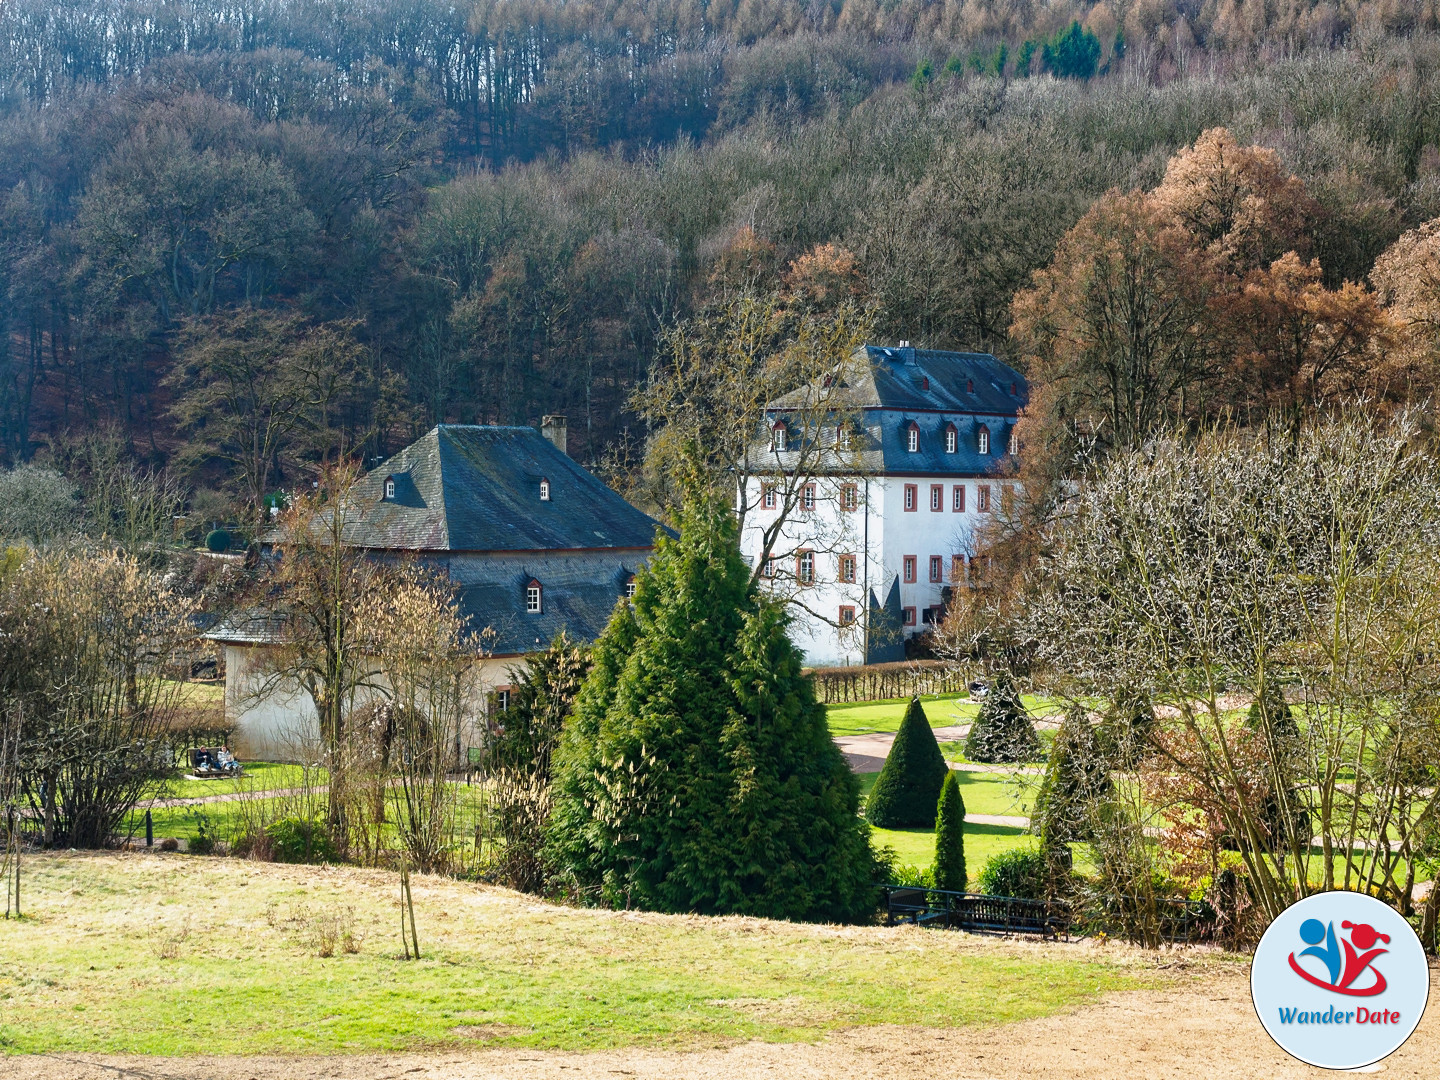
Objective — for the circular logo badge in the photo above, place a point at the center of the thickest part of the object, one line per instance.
(1339, 980)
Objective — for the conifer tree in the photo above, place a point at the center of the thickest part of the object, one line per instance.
(1002, 733)
(950, 837)
(1283, 813)
(696, 772)
(1126, 731)
(907, 790)
(1076, 785)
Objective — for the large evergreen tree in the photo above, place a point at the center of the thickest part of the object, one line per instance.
(908, 788)
(1003, 732)
(950, 837)
(697, 772)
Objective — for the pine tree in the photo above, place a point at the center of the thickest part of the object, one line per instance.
(1077, 783)
(1002, 733)
(908, 788)
(950, 837)
(696, 772)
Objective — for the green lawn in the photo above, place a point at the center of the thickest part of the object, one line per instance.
(942, 710)
(984, 793)
(259, 776)
(172, 954)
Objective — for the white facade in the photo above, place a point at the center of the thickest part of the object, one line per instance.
(894, 536)
(912, 452)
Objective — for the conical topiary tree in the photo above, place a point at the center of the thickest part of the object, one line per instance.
(1002, 733)
(907, 790)
(1076, 786)
(696, 772)
(1283, 814)
(1126, 731)
(950, 837)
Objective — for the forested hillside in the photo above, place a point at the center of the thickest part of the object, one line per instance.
(324, 226)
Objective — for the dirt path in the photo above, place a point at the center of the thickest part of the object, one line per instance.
(1204, 1028)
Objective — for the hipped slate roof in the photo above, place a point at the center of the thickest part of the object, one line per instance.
(579, 594)
(888, 389)
(470, 488)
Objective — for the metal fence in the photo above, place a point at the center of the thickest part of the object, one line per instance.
(1148, 921)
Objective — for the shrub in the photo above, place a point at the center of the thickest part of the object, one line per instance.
(1002, 733)
(696, 772)
(217, 540)
(204, 842)
(1019, 872)
(907, 790)
(913, 876)
(300, 840)
(950, 837)
(169, 844)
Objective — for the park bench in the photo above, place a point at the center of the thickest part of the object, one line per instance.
(975, 912)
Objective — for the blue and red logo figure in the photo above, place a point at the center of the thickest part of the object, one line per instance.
(1345, 971)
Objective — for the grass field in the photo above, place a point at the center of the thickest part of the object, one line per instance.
(984, 793)
(942, 710)
(172, 954)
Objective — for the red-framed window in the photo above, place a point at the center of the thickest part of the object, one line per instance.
(807, 497)
(982, 439)
(909, 563)
(912, 496)
(805, 567)
(849, 497)
(937, 568)
(937, 497)
(907, 616)
(847, 615)
(982, 498)
(771, 568)
(534, 598)
(957, 568)
(912, 437)
(957, 502)
(767, 496)
(779, 437)
(847, 568)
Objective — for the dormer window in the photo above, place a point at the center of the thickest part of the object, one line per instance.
(912, 437)
(779, 437)
(544, 490)
(389, 488)
(1014, 390)
(1014, 441)
(969, 386)
(982, 439)
(952, 439)
(630, 587)
(925, 382)
(534, 598)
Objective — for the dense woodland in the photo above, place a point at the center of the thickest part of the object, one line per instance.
(245, 235)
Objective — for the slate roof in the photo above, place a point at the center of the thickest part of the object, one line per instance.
(578, 595)
(471, 488)
(891, 388)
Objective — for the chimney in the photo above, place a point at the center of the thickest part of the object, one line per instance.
(553, 428)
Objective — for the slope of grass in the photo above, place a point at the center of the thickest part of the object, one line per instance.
(170, 954)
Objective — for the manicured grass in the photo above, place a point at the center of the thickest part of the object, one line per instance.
(862, 719)
(984, 793)
(171, 954)
(942, 710)
(259, 776)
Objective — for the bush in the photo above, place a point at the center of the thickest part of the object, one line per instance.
(1019, 872)
(217, 540)
(300, 840)
(696, 772)
(1002, 733)
(950, 837)
(907, 791)
(204, 842)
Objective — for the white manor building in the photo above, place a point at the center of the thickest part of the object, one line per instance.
(885, 520)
